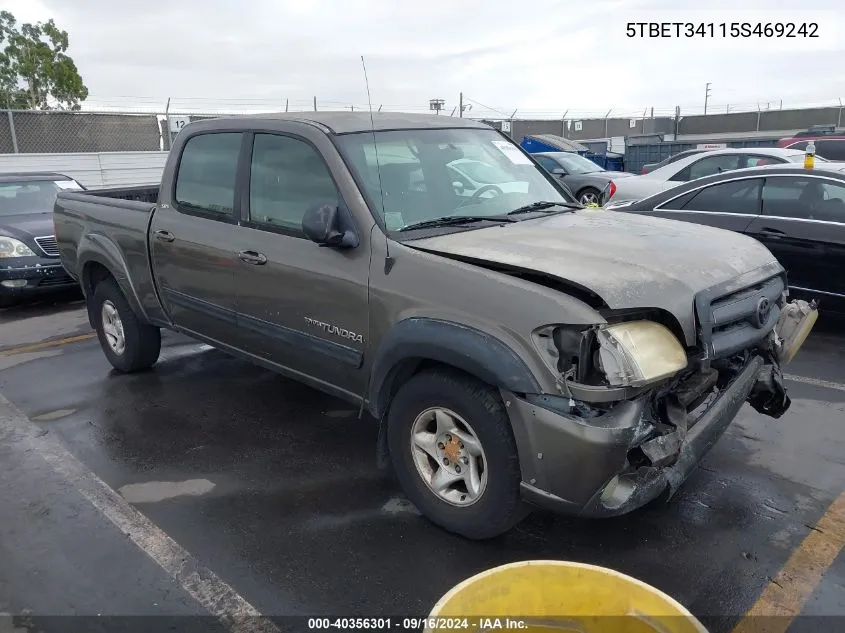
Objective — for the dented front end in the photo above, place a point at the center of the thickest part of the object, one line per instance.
(636, 411)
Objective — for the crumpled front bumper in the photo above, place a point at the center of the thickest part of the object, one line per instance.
(578, 465)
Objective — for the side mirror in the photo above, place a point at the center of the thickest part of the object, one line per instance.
(559, 171)
(458, 185)
(324, 224)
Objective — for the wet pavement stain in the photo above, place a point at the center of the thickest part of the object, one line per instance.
(53, 415)
(155, 491)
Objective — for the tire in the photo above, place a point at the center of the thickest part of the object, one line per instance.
(499, 505)
(588, 195)
(142, 342)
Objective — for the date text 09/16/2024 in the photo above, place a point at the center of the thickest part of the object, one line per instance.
(792, 30)
(432, 623)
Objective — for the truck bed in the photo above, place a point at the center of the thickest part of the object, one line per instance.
(113, 223)
(139, 193)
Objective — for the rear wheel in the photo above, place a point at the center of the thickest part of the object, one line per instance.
(128, 344)
(454, 454)
(589, 196)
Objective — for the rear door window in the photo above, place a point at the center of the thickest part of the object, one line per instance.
(205, 182)
(738, 197)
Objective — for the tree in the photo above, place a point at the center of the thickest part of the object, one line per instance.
(35, 71)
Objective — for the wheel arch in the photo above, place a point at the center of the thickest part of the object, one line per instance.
(418, 342)
(101, 260)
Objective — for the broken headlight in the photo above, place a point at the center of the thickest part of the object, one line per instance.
(636, 353)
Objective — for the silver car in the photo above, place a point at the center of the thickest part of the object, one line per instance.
(696, 166)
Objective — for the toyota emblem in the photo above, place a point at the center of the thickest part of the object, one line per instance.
(761, 315)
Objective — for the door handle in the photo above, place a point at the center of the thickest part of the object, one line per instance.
(772, 233)
(252, 257)
(165, 236)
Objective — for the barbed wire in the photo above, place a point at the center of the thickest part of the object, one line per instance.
(235, 105)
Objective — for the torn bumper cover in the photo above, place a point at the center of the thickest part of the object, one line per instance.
(583, 465)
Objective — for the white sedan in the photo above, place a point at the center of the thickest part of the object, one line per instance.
(626, 190)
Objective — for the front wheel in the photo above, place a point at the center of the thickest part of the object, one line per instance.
(129, 344)
(454, 454)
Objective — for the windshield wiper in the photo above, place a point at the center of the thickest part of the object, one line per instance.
(452, 220)
(542, 206)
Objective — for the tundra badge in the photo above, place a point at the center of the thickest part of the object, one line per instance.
(333, 329)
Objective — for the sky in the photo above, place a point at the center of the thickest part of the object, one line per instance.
(540, 58)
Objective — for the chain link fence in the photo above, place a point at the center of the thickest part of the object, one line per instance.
(50, 132)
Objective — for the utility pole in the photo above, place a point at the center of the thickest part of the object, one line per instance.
(461, 105)
(315, 103)
(286, 104)
(706, 96)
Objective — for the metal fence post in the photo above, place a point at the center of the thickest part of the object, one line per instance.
(12, 132)
(167, 122)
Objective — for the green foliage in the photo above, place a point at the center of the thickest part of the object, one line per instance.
(35, 71)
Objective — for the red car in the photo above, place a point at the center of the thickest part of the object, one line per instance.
(829, 142)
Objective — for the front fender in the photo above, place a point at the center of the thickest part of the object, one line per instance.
(471, 350)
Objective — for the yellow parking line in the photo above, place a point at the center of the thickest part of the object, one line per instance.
(35, 347)
(784, 598)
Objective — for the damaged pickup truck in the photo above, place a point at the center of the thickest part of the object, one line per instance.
(515, 348)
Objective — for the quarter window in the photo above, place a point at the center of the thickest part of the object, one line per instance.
(207, 172)
(287, 177)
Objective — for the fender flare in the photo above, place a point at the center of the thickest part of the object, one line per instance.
(98, 249)
(465, 348)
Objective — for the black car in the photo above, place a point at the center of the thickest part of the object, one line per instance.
(799, 214)
(29, 256)
(583, 177)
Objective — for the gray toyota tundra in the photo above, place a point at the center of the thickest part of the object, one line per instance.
(516, 349)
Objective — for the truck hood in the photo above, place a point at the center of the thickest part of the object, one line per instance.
(630, 261)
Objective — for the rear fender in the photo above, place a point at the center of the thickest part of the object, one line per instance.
(96, 248)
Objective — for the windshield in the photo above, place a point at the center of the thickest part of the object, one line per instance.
(32, 196)
(576, 164)
(433, 173)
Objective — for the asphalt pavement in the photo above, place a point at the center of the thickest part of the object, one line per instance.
(270, 490)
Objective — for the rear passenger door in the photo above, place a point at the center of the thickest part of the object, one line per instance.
(730, 205)
(803, 224)
(192, 235)
(301, 307)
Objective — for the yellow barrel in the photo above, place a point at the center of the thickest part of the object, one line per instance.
(544, 596)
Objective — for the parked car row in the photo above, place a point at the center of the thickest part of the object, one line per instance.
(698, 165)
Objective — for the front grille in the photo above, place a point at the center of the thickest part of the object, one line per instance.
(48, 244)
(735, 321)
